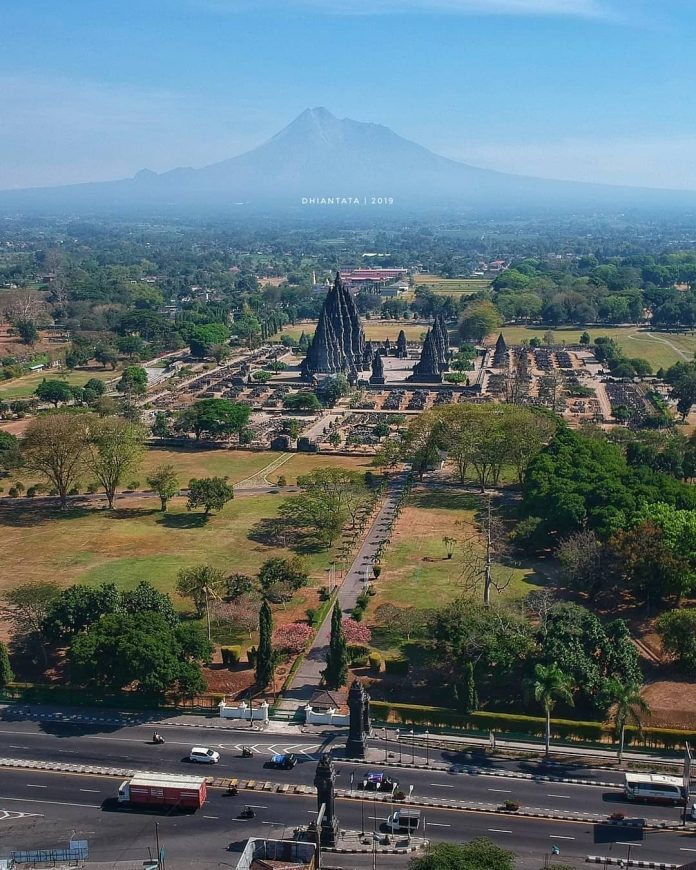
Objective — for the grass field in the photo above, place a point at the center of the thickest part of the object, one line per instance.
(21, 388)
(375, 330)
(193, 462)
(416, 571)
(652, 346)
(452, 286)
(302, 463)
(136, 542)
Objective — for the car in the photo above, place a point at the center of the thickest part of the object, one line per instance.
(379, 782)
(203, 755)
(283, 761)
(693, 812)
(404, 820)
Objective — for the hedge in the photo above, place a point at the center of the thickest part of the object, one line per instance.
(396, 666)
(230, 655)
(531, 726)
(375, 660)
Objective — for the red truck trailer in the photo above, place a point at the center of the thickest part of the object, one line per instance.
(163, 789)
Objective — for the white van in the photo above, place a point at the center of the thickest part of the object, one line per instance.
(404, 820)
(202, 755)
(654, 787)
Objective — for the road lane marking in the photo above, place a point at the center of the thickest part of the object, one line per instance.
(566, 796)
(559, 837)
(495, 830)
(94, 790)
(501, 790)
(18, 747)
(211, 817)
(681, 849)
(55, 803)
(438, 825)
(441, 785)
(256, 807)
(31, 785)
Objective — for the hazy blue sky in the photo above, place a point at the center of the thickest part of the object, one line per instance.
(586, 89)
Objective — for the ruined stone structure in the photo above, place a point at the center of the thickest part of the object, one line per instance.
(401, 345)
(339, 342)
(368, 354)
(500, 353)
(377, 376)
(428, 369)
(359, 726)
(441, 340)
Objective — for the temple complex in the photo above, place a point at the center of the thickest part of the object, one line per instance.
(338, 345)
(401, 346)
(428, 368)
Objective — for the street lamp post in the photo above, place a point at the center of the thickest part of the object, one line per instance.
(427, 748)
(413, 746)
(398, 740)
(362, 808)
(385, 744)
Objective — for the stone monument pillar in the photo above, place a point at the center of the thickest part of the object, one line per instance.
(377, 376)
(359, 715)
(324, 782)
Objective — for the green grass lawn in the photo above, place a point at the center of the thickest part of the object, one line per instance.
(452, 286)
(136, 542)
(635, 342)
(416, 571)
(375, 330)
(21, 388)
(198, 462)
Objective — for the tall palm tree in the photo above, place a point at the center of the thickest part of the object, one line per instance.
(550, 684)
(629, 708)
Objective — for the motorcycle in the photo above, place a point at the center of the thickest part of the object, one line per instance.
(247, 752)
(157, 738)
(247, 813)
(232, 790)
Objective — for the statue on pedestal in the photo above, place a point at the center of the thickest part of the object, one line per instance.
(377, 376)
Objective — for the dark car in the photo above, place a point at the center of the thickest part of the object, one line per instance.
(379, 782)
(284, 762)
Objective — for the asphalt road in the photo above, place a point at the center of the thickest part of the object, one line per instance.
(130, 747)
(43, 810)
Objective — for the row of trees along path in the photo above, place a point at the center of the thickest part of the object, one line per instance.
(308, 677)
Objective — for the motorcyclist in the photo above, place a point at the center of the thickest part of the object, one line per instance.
(157, 738)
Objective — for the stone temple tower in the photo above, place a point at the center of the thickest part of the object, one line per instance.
(338, 345)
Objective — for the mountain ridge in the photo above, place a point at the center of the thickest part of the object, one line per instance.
(318, 155)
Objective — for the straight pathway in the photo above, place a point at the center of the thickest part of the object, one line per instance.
(308, 677)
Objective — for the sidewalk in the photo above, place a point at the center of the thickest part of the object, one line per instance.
(308, 677)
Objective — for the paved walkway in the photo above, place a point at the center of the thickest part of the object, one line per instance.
(308, 677)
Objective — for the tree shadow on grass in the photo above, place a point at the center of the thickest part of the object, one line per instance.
(130, 513)
(455, 501)
(275, 532)
(182, 521)
(32, 516)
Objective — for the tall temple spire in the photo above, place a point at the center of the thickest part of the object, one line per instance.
(428, 369)
(339, 343)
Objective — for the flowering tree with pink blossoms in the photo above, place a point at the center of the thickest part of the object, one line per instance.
(292, 637)
(356, 634)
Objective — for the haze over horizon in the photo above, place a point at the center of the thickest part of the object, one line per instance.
(587, 90)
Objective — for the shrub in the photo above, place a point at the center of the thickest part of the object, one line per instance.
(134, 484)
(282, 480)
(31, 492)
(376, 570)
(311, 613)
(396, 666)
(92, 487)
(358, 653)
(13, 492)
(357, 613)
(375, 660)
(252, 655)
(231, 655)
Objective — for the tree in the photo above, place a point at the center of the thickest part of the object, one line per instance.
(332, 389)
(160, 425)
(478, 854)
(122, 649)
(6, 675)
(356, 633)
(53, 391)
(198, 583)
(628, 708)
(115, 448)
(302, 401)
(217, 418)
(280, 578)
(133, 381)
(95, 386)
(78, 607)
(335, 673)
(468, 696)
(677, 628)
(549, 686)
(26, 607)
(54, 446)
(212, 493)
(106, 356)
(146, 599)
(239, 585)
(478, 320)
(292, 637)
(9, 451)
(164, 481)
(265, 657)
(204, 338)
(27, 331)
(248, 328)
(580, 555)
(682, 377)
